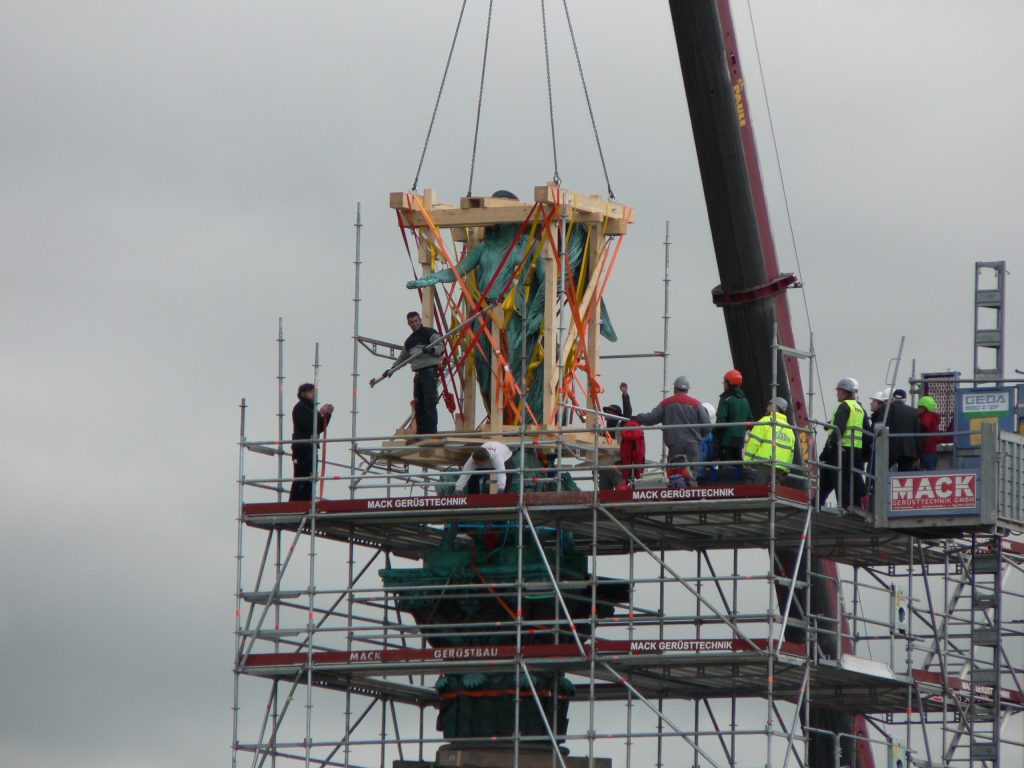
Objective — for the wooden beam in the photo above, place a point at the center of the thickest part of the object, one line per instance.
(577, 203)
(404, 201)
(488, 202)
(423, 251)
(588, 297)
(596, 260)
(481, 211)
(446, 218)
(550, 256)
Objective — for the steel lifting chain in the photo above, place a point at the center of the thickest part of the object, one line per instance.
(480, 98)
(586, 94)
(440, 90)
(551, 102)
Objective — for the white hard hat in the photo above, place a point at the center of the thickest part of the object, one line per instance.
(711, 412)
(850, 385)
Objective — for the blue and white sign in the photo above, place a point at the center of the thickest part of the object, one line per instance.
(975, 407)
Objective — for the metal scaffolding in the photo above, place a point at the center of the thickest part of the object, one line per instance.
(637, 623)
(692, 657)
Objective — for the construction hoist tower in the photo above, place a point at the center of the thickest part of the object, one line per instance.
(989, 314)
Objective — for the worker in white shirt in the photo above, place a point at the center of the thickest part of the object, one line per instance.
(489, 457)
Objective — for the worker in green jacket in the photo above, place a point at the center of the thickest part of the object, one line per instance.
(731, 419)
(771, 439)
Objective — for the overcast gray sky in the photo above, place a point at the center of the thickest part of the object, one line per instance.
(176, 176)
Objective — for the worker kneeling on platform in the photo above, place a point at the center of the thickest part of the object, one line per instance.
(685, 426)
(490, 457)
(771, 440)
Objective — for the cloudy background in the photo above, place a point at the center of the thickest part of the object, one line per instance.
(176, 176)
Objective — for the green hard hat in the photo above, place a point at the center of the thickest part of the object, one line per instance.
(928, 403)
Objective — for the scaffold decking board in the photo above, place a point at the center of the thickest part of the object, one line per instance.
(674, 668)
(713, 517)
(963, 689)
(613, 648)
(661, 498)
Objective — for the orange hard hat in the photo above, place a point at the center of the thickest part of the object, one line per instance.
(733, 378)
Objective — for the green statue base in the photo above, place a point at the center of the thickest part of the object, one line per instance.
(453, 608)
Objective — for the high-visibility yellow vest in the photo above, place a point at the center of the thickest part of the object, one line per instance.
(771, 428)
(854, 432)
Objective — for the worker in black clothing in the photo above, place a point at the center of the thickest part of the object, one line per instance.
(424, 343)
(619, 414)
(304, 453)
(844, 449)
(904, 427)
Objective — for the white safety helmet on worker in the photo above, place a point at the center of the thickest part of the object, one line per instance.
(848, 384)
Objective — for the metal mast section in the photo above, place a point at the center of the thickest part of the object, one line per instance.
(355, 344)
(988, 336)
(752, 294)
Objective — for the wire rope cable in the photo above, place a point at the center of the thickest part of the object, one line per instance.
(551, 102)
(480, 98)
(586, 94)
(440, 90)
(782, 182)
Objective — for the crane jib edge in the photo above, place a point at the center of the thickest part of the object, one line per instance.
(744, 249)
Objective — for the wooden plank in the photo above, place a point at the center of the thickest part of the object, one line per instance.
(488, 202)
(596, 260)
(423, 251)
(404, 201)
(400, 200)
(447, 218)
(497, 405)
(579, 203)
(481, 211)
(550, 257)
(588, 297)
(467, 378)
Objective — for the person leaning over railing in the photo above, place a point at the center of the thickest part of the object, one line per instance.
(685, 426)
(771, 439)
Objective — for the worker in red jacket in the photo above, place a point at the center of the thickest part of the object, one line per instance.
(926, 411)
(629, 435)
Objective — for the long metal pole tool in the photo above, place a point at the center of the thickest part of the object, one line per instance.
(401, 364)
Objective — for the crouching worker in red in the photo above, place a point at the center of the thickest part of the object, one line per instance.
(681, 415)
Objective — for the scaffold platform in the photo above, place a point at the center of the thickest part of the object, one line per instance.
(678, 669)
(711, 517)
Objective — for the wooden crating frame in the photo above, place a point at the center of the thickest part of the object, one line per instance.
(568, 347)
